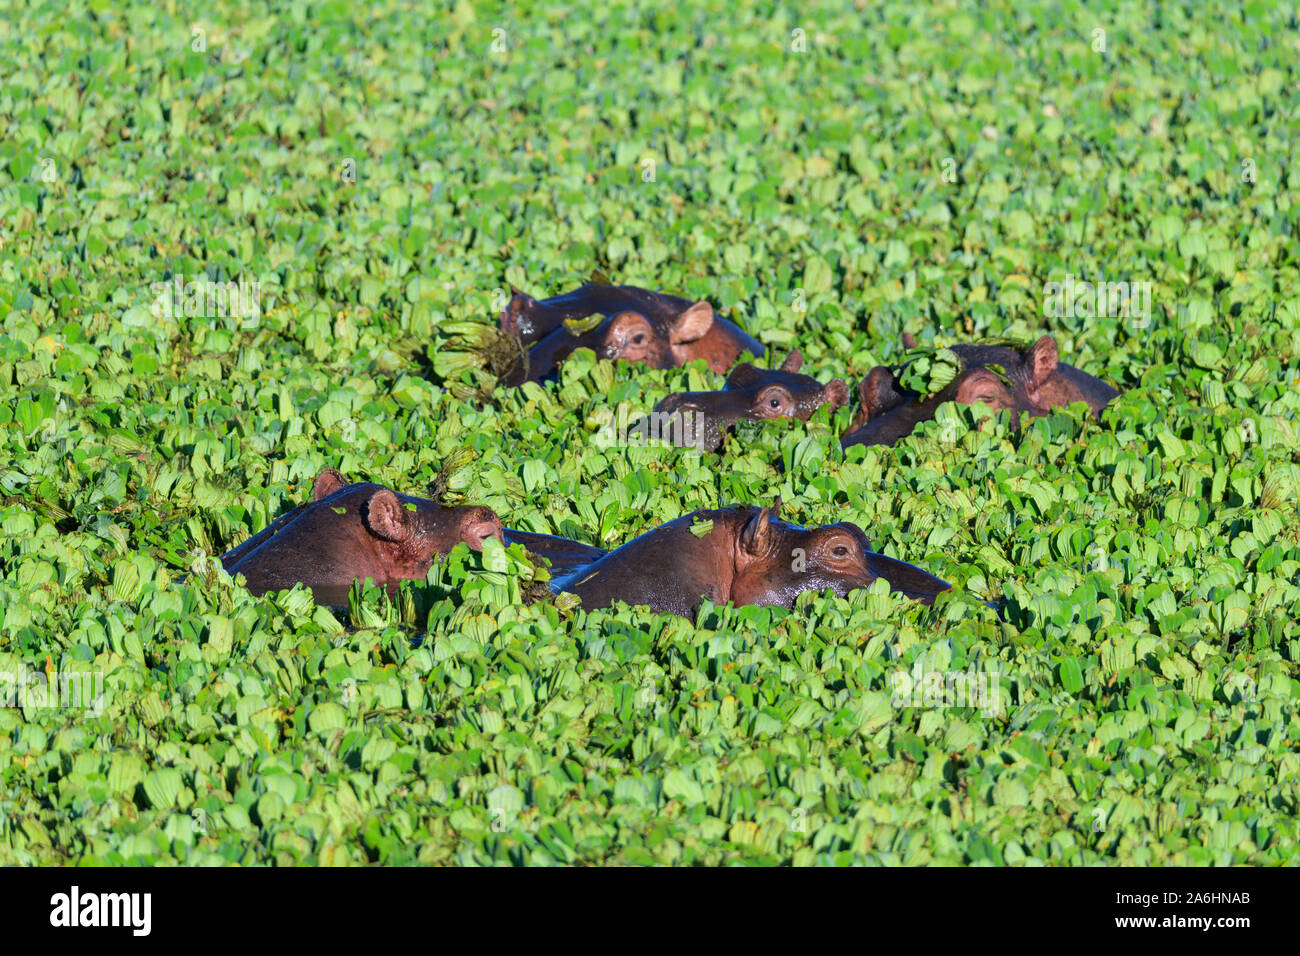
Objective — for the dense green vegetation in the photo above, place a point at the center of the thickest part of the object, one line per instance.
(830, 175)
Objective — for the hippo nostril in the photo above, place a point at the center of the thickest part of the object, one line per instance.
(480, 533)
(480, 525)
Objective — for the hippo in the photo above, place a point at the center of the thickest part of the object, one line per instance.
(1031, 381)
(629, 324)
(353, 531)
(349, 532)
(747, 556)
(750, 394)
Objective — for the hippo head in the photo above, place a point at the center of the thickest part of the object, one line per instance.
(751, 394)
(777, 561)
(420, 532)
(660, 341)
(409, 532)
(1026, 381)
(350, 532)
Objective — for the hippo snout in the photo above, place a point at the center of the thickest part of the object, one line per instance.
(478, 525)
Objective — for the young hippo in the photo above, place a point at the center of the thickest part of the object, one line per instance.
(749, 556)
(629, 324)
(1032, 381)
(349, 532)
(750, 394)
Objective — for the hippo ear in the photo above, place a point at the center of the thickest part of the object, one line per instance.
(757, 533)
(1040, 361)
(793, 362)
(691, 324)
(326, 483)
(519, 303)
(878, 391)
(741, 376)
(386, 517)
(835, 393)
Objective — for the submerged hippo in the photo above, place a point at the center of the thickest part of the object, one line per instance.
(750, 394)
(353, 531)
(1030, 381)
(748, 556)
(625, 323)
(350, 532)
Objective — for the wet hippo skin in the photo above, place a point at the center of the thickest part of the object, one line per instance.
(749, 556)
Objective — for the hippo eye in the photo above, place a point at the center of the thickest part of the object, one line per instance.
(840, 551)
(638, 338)
(773, 403)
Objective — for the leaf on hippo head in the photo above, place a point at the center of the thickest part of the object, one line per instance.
(701, 528)
(915, 375)
(930, 371)
(339, 511)
(1001, 373)
(946, 367)
(582, 326)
